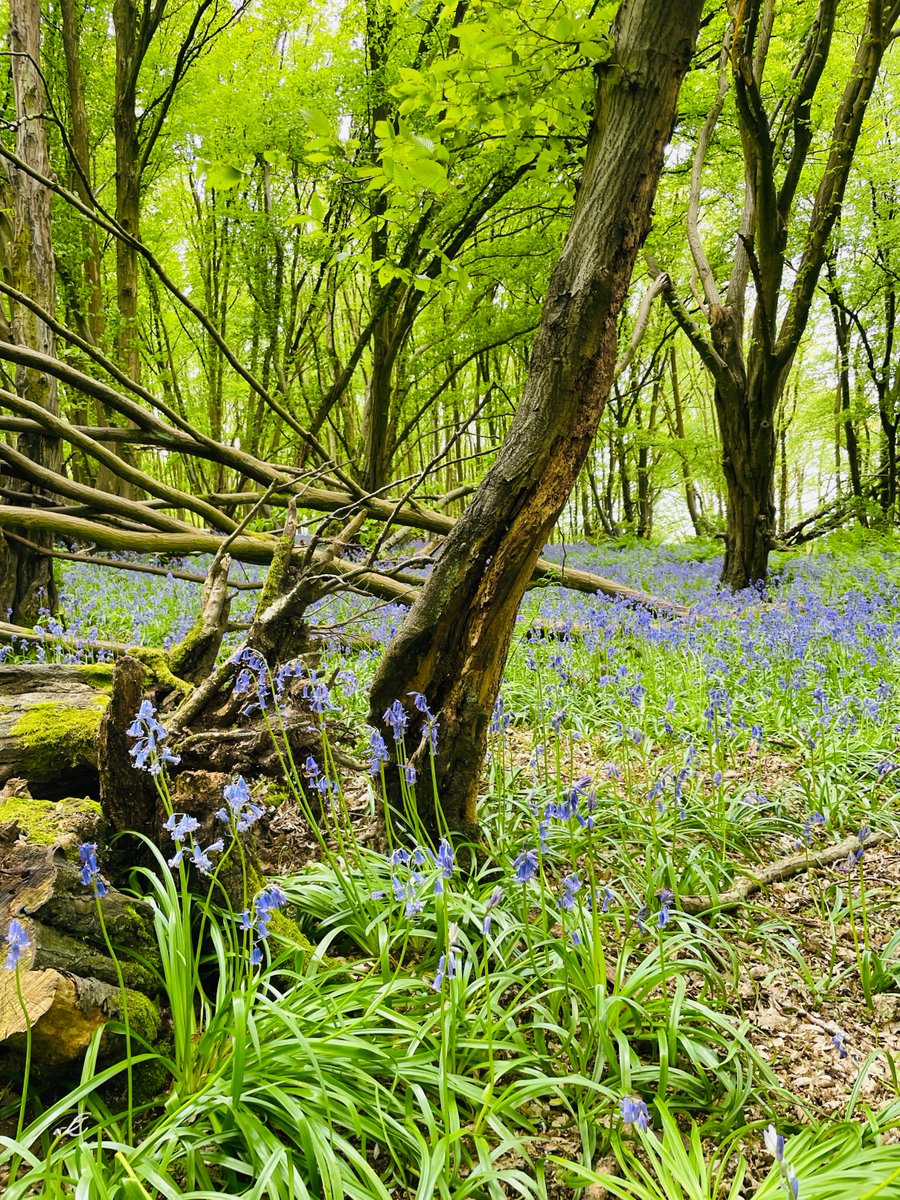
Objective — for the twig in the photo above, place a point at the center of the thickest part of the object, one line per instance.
(787, 868)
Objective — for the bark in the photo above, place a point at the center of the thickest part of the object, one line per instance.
(68, 981)
(691, 495)
(91, 315)
(26, 579)
(454, 643)
(842, 336)
(131, 46)
(749, 378)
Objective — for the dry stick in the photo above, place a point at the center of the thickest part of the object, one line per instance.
(787, 868)
(109, 433)
(318, 499)
(89, 497)
(122, 564)
(118, 466)
(13, 633)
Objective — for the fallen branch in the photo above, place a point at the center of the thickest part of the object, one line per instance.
(786, 868)
(259, 548)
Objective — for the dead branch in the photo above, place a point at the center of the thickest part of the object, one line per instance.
(786, 868)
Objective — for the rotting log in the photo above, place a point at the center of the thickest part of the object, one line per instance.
(69, 982)
(49, 720)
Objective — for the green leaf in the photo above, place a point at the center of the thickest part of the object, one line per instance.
(223, 176)
(318, 122)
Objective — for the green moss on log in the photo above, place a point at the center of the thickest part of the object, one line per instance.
(54, 737)
(98, 675)
(181, 656)
(42, 821)
(160, 668)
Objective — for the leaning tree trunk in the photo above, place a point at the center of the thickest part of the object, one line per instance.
(26, 578)
(454, 643)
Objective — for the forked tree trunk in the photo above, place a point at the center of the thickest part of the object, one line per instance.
(454, 643)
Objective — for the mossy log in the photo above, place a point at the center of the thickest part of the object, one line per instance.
(49, 720)
(69, 981)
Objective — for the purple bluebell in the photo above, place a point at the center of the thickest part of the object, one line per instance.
(90, 872)
(17, 941)
(396, 718)
(635, 1112)
(526, 866)
(378, 752)
(149, 751)
(495, 898)
(571, 887)
(445, 859)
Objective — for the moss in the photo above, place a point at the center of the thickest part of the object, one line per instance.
(150, 1078)
(98, 675)
(160, 669)
(43, 820)
(281, 558)
(56, 736)
(143, 1016)
(181, 656)
(288, 930)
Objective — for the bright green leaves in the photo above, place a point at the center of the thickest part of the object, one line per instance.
(222, 176)
(408, 162)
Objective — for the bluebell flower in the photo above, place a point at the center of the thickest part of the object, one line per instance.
(421, 704)
(501, 719)
(378, 752)
(17, 941)
(317, 696)
(666, 897)
(445, 859)
(265, 903)
(815, 818)
(241, 808)
(180, 825)
(200, 857)
(410, 774)
(526, 866)
(838, 1042)
(635, 1112)
(774, 1142)
(90, 872)
(449, 962)
(495, 898)
(149, 750)
(396, 718)
(571, 887)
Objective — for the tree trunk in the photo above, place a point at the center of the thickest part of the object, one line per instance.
(26, 578)
(454, 643)
(691, 495)
(90, 317)
(749, 462)
(130, 49)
